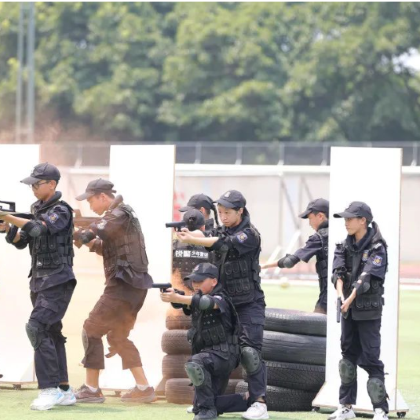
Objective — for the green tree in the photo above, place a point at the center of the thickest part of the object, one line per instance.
(221, 71)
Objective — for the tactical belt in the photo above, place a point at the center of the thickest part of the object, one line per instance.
(61, 260)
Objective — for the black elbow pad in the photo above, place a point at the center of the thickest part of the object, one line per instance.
(11, 235)
(202, 302)
(364, 286)
(288, 261)
(206, 303)
(34, 228)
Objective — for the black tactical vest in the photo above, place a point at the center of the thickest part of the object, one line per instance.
(239, 274)
(369, 304)
(126, 251)
(209, 332)
(51, 251)
(186, 257)
(321, 265)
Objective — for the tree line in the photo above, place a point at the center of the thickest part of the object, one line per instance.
(221, 71)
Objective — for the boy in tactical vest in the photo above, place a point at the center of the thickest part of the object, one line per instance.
(317, 245)
(213, 337)
(359, 268)
(118, 237)
(49, 236)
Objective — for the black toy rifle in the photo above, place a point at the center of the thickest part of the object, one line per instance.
(11, 209)
(83, 222)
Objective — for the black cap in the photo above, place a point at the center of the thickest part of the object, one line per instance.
(194, 219)
(44, 171)
(318, 205)
(356, 209)
(232, 199)
(96, 186)
(203, 271)
(197, 201)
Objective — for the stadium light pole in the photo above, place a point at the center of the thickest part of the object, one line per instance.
(19, 75)
(26, 27)
(31, 73)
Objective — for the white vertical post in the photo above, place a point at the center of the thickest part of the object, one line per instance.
(16, 353)
(145, 175)
(373, 176)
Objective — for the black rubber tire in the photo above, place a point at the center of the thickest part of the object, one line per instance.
(293, 348)
(283, 399)
(294, 375)
(175, 342)
(295, 322)
(173, 367)
(178, 391)
(178, 321)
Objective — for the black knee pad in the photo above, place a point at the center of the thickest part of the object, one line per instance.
(250, 360)
(376, 390)
(196, 372)
(348, 371)
(36, 333)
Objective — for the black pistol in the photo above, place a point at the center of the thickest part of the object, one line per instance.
(176, 225)
(339, 303)
(164, 287)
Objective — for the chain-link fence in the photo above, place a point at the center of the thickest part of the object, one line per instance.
(78, 154)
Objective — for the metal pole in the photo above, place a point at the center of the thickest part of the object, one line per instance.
(281, 154)
(238, 154)
(31, 73)
(325, 149)
(415, 153)
(19, 76)
(197, 153)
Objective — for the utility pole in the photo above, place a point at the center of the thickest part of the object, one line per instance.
(26, 26)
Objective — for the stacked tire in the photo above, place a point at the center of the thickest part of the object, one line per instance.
(175, 382)
(294, 349)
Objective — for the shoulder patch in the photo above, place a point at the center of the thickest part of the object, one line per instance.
(53, 217)
(241, 237)
(377, 246)
(377, 261)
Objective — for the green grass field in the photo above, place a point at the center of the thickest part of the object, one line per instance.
(14, 405)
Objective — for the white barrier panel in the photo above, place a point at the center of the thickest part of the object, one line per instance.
(144, 175)
(16, 353)
(372, 176)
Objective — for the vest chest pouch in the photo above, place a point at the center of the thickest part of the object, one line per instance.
(237, 277)
(368, 302)
(213, 332)
(51, 251)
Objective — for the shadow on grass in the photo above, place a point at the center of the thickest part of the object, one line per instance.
(94, 408)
